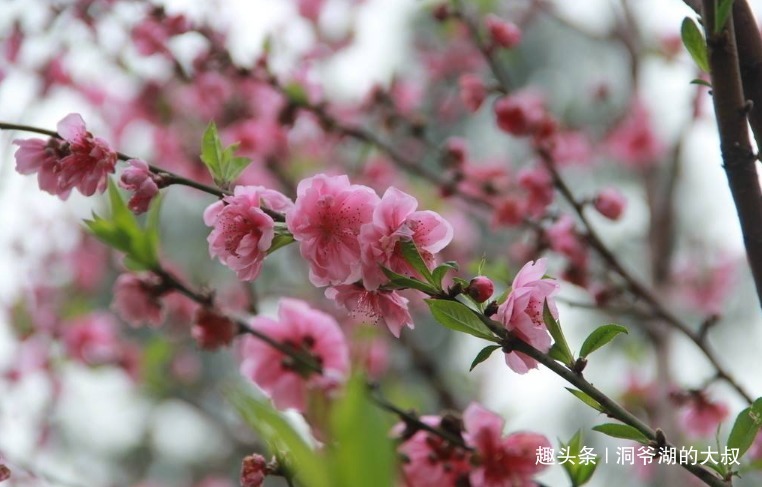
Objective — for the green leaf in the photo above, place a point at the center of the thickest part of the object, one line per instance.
(363, 453)
(579, 473)
(457, 316)
(281, 437)
(600, 337)
(694, 43)
(746, 427)
(586, 399)
(413, 257)
(483, 355)
(699, 81)
(563, 351)
(296, 93)
(280, 241)
(722, 10)
(408, 282)
(122, 232)
(221, 162)
(211, 151)
(441, 271)
(624, 431)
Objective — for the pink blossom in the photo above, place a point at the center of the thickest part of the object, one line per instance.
(309, 332)
(253, 471)
(431, 461)
(634, 141)
(705, 286)
(700, 416)
(41, 157)
(89, 159)
(520, 113)
(489, 180)
(379, 307)
(610, 203)
(326, 220)
(570, 147)
(139, 179)
(521, 313)
(310, 9)
(472, 91)
(212, 330)
(151, 34)
(243, 232)
(504, 34)
(501, 461)
(456, 151)
(394, 221)
(92, 339)
(136, 299)
(510, 211)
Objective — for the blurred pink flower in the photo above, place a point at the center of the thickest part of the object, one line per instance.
(326, 221)
(634, 141)
(432, 461)
(212, 330)
(307, 331)
(520, 113)
(501, 461)
(136, 299)
(139, 179)
(92, 339)
(242, 231)
(539, 187)
(395, 220)
(521, 313)
(700, 416)
(379, 307)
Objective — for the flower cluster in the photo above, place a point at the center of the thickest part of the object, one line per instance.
(493, 461)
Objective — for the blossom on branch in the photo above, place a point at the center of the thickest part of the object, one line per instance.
(139, 179)
(522, 312)
(379, 307)
(311, 334)
(243, 232)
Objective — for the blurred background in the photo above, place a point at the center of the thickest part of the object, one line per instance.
(86, 400)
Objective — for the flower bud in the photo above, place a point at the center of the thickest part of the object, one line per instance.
(253, 471)
(504, 34)
(610, 203)
(480, 289)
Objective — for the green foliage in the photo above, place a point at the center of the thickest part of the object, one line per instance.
(560, 350)
(360, 451)
(279, 241)
(400, 281)
(296, 93)
(483, 355)
(600, 337)
(123, 232)
(586, 399)
(722, 11)
(579, 473)
(441, 271)
(413, 257)
(223, 165)
(746, 427)
(694, 43)
(459, 317)
(623, 431)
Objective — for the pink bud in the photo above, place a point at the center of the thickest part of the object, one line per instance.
(253, 471)
(505, 34)
(610, 203)
(480, 288)
(520, 113)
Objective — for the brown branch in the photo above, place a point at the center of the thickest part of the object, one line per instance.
(730, 111)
